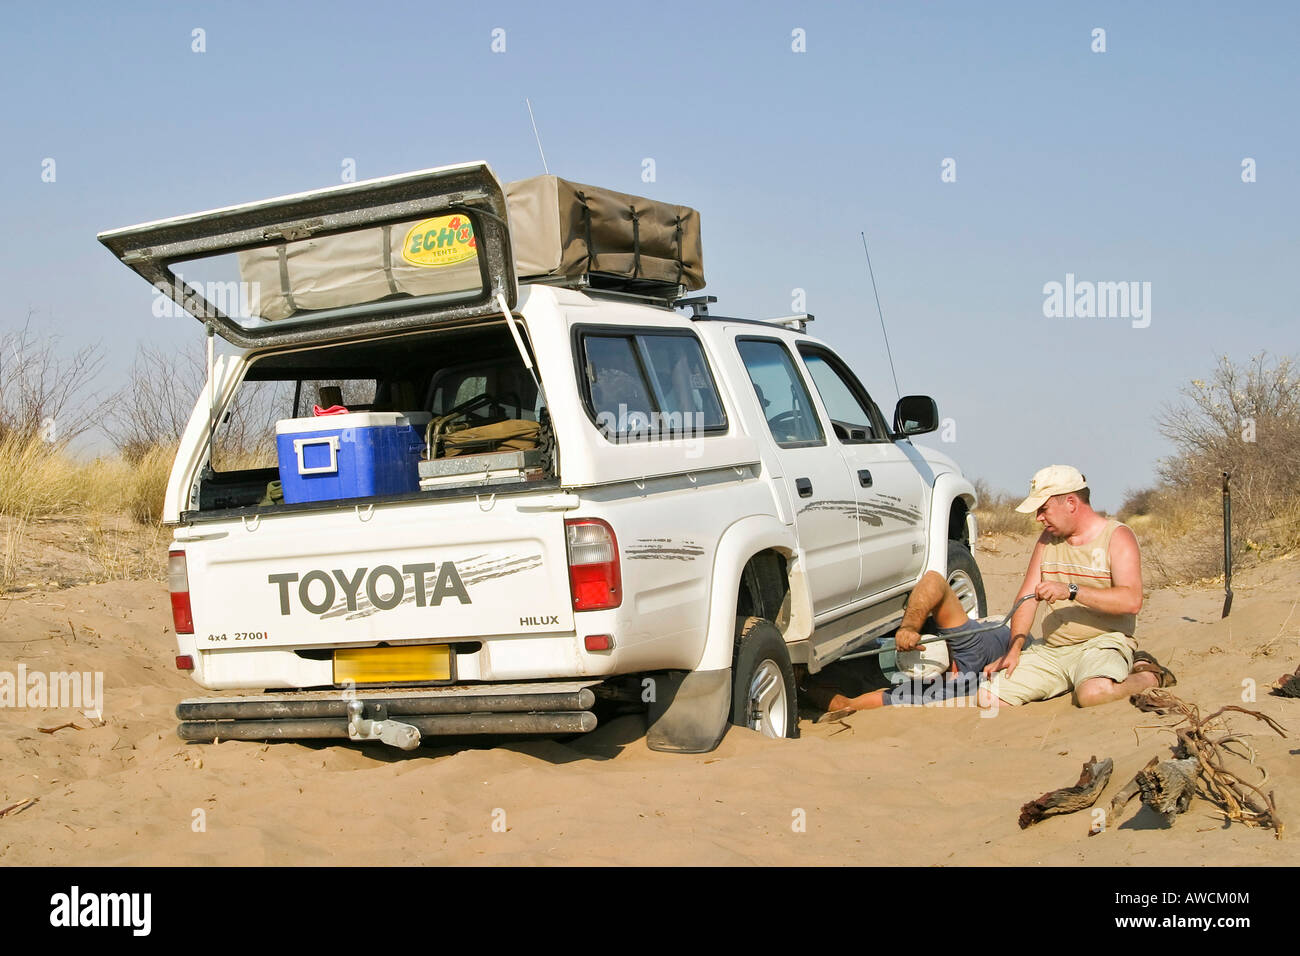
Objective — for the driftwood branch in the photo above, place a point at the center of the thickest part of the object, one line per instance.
(1092, 781)
(18, 807)
(1198, 766)
(51, 730)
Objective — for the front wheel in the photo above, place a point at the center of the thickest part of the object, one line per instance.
(965, 579)
(763, 693)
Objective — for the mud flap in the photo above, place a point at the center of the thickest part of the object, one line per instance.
(689, 710)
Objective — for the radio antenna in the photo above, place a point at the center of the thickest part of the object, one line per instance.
(897, 391)
(536, 136)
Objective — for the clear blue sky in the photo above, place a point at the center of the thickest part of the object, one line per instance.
(1114, 166)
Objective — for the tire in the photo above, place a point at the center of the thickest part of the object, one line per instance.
(965, 579)
(763, 690)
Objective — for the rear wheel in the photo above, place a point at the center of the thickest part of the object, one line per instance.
(965, 580)
(763, 693)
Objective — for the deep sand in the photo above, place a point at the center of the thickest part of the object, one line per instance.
(904, 786)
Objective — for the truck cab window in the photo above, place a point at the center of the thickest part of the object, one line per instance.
(781, 392)
(850, 416)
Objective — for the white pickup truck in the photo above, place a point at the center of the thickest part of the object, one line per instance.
(698, 504)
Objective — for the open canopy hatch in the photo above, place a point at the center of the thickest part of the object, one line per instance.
(408, 251)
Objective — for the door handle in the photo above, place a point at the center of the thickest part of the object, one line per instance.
(804, 487)
(864, 478)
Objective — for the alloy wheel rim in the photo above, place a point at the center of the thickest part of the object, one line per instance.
(767, 701)
(963, 585)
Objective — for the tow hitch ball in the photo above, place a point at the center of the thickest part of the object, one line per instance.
(391, 732)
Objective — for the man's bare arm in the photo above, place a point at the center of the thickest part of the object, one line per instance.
(1024, 616)
(1124, 596)
(932, 597)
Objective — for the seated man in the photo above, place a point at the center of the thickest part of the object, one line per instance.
(1088, 569)
(971, 651)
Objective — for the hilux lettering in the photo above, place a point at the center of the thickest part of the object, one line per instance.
(539, 621)
(317, 590)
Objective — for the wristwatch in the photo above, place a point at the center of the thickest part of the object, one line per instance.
(1074, 591)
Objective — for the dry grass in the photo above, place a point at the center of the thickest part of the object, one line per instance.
(11, 561)
(148, 484)
(40, 480)
(996, 512)
(122, 552)
(116, 503)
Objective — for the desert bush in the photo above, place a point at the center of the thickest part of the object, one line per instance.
(1138, 502)
(45, 390)
(1244, 420)
(156, 406)
(996, 511)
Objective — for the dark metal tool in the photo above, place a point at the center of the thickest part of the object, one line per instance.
(1227, 545)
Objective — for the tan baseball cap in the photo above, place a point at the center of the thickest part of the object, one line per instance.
(1049, 481)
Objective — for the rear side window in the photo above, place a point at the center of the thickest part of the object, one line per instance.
(644, 385)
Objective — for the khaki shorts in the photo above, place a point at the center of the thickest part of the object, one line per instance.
(1045, 672)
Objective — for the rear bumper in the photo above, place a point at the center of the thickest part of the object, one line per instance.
(524, 708)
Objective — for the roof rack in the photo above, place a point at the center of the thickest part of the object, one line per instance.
(798, 322)
(698, 304)
(618, 287)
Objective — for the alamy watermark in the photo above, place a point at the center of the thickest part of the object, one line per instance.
(946, 690)
(76, 908)
(630, 426)
(77, 690)
(1074, 299)
(238, 300)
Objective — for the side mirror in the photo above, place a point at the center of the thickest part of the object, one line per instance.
(915, 415)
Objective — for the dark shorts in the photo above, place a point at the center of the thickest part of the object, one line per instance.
(971, 652)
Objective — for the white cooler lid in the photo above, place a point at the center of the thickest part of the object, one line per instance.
(321, 423)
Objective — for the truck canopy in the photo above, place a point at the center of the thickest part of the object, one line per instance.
(408, 251)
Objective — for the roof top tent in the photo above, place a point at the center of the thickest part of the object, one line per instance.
(588, 237)
(411, 251)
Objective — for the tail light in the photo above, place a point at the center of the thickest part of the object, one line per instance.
(594, 576)
(178, 583)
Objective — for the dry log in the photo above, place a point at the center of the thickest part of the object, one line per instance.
(1092, 781)
(1288, 685)
(1122, 798)
(1168, 787)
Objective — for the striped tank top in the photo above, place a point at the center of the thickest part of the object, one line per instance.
(1088, 566)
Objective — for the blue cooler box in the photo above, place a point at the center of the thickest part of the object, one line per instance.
(356, 455)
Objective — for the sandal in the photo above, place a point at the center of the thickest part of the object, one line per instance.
(1145, 663)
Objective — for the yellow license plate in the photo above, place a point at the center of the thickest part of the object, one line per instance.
(393, 665)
